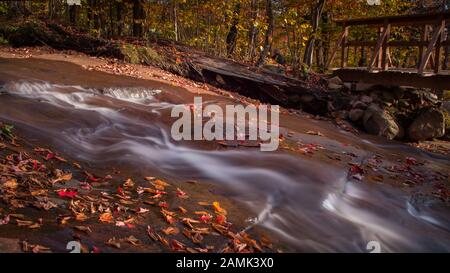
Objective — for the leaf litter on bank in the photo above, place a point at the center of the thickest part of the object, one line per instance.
(30, 182)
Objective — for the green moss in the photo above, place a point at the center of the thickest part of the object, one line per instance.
(131, 53)
(3, 41)
(446, 119)
(149, 55)
(141, 54)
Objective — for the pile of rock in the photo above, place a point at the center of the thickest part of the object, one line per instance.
(396, 112)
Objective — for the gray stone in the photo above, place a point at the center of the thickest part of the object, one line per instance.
(359, 105)
(446, 106)
(431, 97)
(363, 86)
(335, 80)
(366, 99)
(356, 114)
(335, 83)
(379, 122)
(333, 86)
(429, 124)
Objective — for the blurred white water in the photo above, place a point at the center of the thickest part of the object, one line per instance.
(308, 204)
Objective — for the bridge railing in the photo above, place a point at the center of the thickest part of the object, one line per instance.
(433, 40)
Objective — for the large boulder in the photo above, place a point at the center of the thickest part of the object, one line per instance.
(446, 110)
(335, 83)
(379, 122)
(359, 105)
(429, 124)
(356, 114)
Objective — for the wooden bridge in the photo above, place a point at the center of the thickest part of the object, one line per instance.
(432, 51)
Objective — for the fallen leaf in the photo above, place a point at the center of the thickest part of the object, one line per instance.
(106, 217)
(21, 223)
(206, 218)
(190, 221)
(159, 184)
(171, 231)
(218, 209)
(83, 229)
(62, 178)
(314, 133)
(133, 240)
(5, 220)
(11, 184)
(182, 210)
(142, 210)
(67, 193)
(151, 233)
(113, 242)
(39, 192)
(181, 194)
(221, 219)
(128, 184)
(81, 216)
(34, 226)
(177, 246)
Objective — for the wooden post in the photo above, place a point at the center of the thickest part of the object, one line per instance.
(378, 61)
(344, 48)
(423, 38)
(385, 48)
(335, 49)
(436, 35)
(437, 54)
(377, 50)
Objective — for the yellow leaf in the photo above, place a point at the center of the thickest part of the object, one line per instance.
(219, 209)
(11, 184)
(62, 178)
(128, 184)
(106, 217)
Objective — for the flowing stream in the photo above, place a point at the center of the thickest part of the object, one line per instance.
(306, 203)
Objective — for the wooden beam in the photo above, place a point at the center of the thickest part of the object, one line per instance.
(336, 47)
(437, 53)
(377, 48)
(426, 56)
(400, 20)
(389, 43)
(344, 48)
(423, 38)
(385, 48)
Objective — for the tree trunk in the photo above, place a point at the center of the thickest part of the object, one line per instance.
(233, 32)
(175, 19)
(315, 21)
(138, 17)
(253, 30)
(51, 7)
(119, 8)
(268, 36)
(73, 14)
